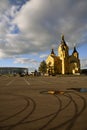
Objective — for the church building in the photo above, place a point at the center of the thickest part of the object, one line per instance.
(63, 63)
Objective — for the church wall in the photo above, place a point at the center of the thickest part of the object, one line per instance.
(65, 66)
(58, 66)
(50, 65)
(50, 60)
(74, 65)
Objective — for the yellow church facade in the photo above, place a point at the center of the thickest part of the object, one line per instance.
(63, 63)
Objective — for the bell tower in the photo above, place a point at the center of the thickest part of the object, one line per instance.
(75, 53)
(63, 52)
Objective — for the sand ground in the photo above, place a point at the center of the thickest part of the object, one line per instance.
(43, 103)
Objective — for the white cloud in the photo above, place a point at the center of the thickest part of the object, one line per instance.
(38, 25)
(4, 5)
(83, 63)
(30, 63)
(45, 21)
(25, 61)
(43, 56)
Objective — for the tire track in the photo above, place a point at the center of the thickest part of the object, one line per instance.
(16, 114)
(78, 113)
(71, 121)
(28, 99)
(54, 115)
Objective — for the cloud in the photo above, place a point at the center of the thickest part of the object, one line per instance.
(47, 20)
(36, 26)
(83, 63)
(4, 5)
(25, 61)
(43, 56)
(31, 63)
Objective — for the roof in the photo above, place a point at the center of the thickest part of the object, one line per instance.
(74, 51)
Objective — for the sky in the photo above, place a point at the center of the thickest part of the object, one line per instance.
(29, 29)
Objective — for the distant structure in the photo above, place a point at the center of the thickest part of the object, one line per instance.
(63, 63)
(13, 70)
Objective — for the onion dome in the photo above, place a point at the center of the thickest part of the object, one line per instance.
(52, 52)
(75, 51)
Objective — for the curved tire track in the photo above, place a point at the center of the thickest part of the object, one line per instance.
(28, 100)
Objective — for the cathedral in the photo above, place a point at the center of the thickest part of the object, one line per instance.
(63, 63)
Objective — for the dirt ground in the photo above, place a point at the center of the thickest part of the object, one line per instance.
(43, 103)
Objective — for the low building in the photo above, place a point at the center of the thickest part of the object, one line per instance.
(13, 70)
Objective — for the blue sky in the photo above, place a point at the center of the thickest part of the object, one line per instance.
(29, 29)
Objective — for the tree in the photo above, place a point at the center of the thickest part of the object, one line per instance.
(43, 67)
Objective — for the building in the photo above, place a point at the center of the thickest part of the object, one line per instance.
(63, 63)
(13, 70)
